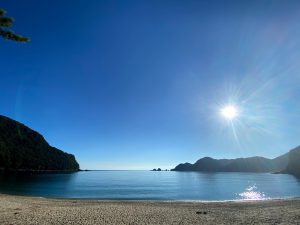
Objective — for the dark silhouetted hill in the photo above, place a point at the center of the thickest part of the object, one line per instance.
(21, 148)
(293, 166)
(251, 164)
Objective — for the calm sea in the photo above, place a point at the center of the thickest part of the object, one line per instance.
(148, 185)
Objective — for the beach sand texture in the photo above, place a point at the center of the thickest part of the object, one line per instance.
(34, 210)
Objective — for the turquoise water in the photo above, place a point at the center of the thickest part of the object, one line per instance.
(148, 185)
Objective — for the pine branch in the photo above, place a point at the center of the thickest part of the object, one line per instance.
(6, 21)
(10, 35)
(2, 12)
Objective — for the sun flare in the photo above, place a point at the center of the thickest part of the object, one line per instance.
(229, 112)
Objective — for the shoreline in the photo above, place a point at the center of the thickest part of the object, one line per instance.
(40, 210)
(36, 172)
(154, 200)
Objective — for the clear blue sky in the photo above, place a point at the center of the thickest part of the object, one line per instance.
(139, 84)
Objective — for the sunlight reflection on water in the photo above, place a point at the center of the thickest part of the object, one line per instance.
(251, 193)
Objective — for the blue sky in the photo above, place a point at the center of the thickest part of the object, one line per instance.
(139, 84)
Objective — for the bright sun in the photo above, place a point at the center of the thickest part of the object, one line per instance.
(229, 112)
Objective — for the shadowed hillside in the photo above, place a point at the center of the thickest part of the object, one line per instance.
(251, 164)
(293, 166)
(24, 149)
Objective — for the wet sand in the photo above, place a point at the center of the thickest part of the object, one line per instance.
(34, 210)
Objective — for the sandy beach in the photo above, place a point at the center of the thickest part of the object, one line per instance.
(34, 210)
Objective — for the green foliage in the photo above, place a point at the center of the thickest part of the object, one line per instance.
(6, 22)
(7, 34)
(2, 12)
(24, 149)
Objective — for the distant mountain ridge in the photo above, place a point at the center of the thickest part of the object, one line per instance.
(23, 149)
(285, 162)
